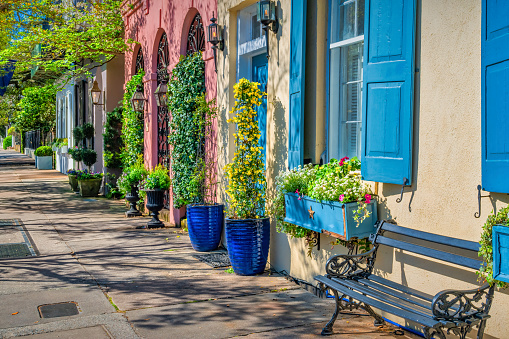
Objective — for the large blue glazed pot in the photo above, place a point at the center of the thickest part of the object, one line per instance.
(205, 224)
(248, 244)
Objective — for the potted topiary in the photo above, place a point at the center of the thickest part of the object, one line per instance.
(128, 184)
(73, 180)
(89, 183)
(44, 158)
(155, 183)
(247, 228)
(494, 243)
(89, 157)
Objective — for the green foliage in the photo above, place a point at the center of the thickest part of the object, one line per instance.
(246, 173)
(190, 112)
(37, 109)
(86, 175)
(7, 142)
(112, 141)
(71, 37)
(76, 153)
(43, 151)
(89, 156)
(88, 130)
(78, 135)
(157, 178)
(132, 176)
(11, 130)
(132, 124)
(486, 249)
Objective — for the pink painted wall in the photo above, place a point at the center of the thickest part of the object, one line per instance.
(145, 22)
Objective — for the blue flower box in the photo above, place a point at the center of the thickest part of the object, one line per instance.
(330, 217)
(500, 242)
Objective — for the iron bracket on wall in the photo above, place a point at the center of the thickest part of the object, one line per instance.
(479, 196)
(405, 181)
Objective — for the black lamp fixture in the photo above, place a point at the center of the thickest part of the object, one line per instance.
(267, 15)
(215, 37)
(138, 100)
(161, 92)
(95, 93)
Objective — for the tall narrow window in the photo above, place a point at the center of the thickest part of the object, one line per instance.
(345, 79)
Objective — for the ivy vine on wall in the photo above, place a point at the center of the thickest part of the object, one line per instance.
(132, 123)
(186, 86)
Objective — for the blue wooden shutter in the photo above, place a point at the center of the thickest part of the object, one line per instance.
(297, 67)
(495, 96)
(387, 98)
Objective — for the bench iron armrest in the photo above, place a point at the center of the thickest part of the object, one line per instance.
(456, 305)
(351, 266)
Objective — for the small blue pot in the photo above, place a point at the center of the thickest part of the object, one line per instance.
(205, 224)
(248, 244)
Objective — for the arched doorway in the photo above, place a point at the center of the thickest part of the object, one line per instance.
(163, 118)
(196, 36)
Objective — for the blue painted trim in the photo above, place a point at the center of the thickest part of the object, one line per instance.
(327, 79)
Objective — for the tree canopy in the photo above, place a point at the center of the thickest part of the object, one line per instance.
(72, 36)
(37, 109)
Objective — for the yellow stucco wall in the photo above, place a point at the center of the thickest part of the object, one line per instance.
(446, 151)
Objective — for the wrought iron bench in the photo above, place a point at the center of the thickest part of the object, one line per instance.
(351, 279)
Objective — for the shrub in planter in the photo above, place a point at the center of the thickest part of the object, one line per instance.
(155, 183)
(89, 183)
(76, 154)
(88, 130)
(89, 157)
(73, 180)
(7, 142)
(78, 135)
(44, 156)
(128, 185)
(247, 228)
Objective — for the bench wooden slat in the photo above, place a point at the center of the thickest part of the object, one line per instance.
(430, 252)
(389, 299)
(426, 321)
(439, 239)
(398, 293)
(408, 290)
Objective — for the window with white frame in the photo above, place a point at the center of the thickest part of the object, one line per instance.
(250, 40)
(345, 78)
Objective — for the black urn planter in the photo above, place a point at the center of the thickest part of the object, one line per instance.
(133, 197)
(155, 203)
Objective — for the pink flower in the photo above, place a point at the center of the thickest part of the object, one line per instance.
(368, 198)
(297, 191)
(345, 159)
(341, 197)
(342, 161)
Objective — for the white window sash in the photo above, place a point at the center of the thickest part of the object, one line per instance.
(347, 42)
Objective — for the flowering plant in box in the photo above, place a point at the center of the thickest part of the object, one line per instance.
(86, 175)
(335, 181)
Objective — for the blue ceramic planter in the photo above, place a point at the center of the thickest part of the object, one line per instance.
(205, 223)
(500, 242)
(331, 217)
(248, 244)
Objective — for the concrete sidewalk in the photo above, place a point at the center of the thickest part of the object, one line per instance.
(131, 283)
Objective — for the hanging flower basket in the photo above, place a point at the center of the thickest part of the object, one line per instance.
(205, 224)
(330, 217)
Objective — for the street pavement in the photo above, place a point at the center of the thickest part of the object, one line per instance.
(132, 283)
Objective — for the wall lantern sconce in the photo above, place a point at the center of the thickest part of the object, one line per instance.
(138, 100)
(267, 15)
(95, 93)
(215, 37)
(161, 93)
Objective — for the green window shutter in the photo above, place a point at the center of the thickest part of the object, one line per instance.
(387, 99)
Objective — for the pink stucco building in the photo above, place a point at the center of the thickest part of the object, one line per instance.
(165, 31)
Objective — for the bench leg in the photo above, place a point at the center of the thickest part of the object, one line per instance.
(379, 321)
(327, 330)
(429, 332)
(480, 331)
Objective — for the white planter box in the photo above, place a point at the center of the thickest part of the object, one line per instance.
(44, 163)
(64, 149)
